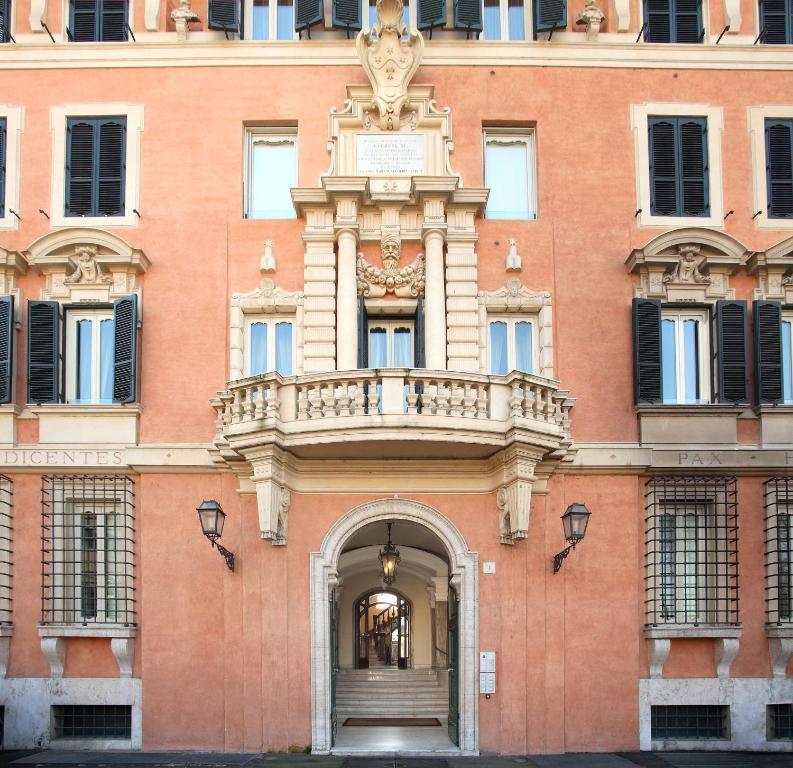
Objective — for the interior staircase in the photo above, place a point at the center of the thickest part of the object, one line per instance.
(390, 692)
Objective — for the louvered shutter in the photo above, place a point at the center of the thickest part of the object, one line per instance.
(224, 15)
(110, 164)
(658, 17)
(363, 334)
(83, 21)
(346, 14)
(2, 168)
(693, 164)
(5, 20)
(309, 12)
(663, 166)
(419, 330)
(430, 13)
(688, 21)
(767, 317)
(6, 347)
(113, 20)
(775, 21)
(550, 14)
(731, 351)
(647, 350)
(44, 322)
(779, 168)
(467, 14)
(125, 349)
(80, 140)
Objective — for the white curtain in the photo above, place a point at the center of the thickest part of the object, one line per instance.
(403, 349)
(523, 356)
(106, 347)
(274, 171)
(378, 348)
(283, 348)
(498, 349)
(258, 353)
(506, 174)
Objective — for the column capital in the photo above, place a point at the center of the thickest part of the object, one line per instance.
(431, 231)
(342, 230)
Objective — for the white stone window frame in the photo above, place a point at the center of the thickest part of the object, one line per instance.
(270, 321)
(272, 22)
(702, 316)
(503, 15)
(639, 116)
(527, 136)
(756, 117)
(511, 321)
(59, 116)
(271, 134)
(267, 302)
(72, 315)
(517, 301)
(65, 15)
(14, 117)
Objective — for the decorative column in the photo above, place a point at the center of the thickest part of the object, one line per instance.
(434, 300)
(347, 301)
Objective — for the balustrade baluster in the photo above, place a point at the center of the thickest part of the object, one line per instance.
(360, 398)
(529, 404)
(482, 397)
(343, 398)
(469, 401)
(237, 407)
(412, 396)
(315, 402)
(550, 408)
(442, 398)
(302, 404)
(374, 398)
(273, 403)
(328, 400)
(258, 401)
(516, 401)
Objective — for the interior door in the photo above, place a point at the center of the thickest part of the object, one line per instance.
(454, 676)
(334, 663)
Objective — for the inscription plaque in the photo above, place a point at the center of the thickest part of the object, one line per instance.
(390, 154)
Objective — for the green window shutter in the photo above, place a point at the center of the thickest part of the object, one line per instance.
(84, 21)
(658, 18)
(688, 21)
(44, 341)
(346, 13)
(6, 348)
(309, 12)
(776, 20)
(3, 142)
(647, 351)
(663, 166)
(363, 334)
(767, 316)
(110, 167)
(5, 21)
(693, 165)
(467, 15)
(430, 13)
(80, 141)
(731, 351)
(419, 330)
(779, 168)
(224, 15)
(550, 14)
(113, 20)
(125, 349)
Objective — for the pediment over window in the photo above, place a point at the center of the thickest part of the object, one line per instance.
(12, 263)
(774, 270)
(687, 265)
(86, 265)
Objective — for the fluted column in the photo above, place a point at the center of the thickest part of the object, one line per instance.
(346, 301)
(435, 301)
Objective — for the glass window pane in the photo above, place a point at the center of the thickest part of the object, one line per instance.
(106, 346)
(261, 20)
(84, 360)
(523, 357)
(378, 351)
(258, 355)
(516, 20)
(506, 174)
(491, 20)
(403, 348)
(787, 361)
(283, 348)
(669, 361)
(273, 172)
(372, 14)
(286, 20)
(691, 360)
(498, 349)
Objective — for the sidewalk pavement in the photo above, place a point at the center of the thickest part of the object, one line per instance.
(55, 759)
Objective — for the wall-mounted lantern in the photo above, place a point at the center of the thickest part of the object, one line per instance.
(212, 518)
(575, 520)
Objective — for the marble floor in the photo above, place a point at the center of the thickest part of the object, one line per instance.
(384, 739)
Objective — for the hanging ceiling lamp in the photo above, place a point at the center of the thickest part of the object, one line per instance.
(389, 559)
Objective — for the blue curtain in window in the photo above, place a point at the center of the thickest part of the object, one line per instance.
(523, 356)
(261, 20)
(272, 175)
(85, 361)
(378, 350)
(403, 349)
(106, 344)
(258, 362)
(690, 363)
(491, 20)
(787, 362)
(498, 349)
(506, 174)
(286, 20)
(516, 20)
(669, 361)
(283, 348)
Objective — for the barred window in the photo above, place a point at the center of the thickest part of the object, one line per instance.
(6, 549)
(100, 721)
(778, 549)
(87, 550)
(690, 722)
(779, 719)
(691, 551)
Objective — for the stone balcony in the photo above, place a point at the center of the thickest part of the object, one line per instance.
(392, 413)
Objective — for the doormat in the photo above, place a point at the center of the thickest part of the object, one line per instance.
(398, 722)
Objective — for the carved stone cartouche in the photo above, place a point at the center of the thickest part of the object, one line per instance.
(688, 268)
(376, 282)
(87, 269)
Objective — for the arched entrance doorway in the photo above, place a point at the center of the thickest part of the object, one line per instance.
(444, 639)
(382, 630)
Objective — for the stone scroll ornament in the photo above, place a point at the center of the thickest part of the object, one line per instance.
(389, 62)
(376, 282)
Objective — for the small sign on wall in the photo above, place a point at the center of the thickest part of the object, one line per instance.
(489, 567)
(487, 673)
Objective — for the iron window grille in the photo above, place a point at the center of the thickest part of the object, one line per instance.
(778, 503)
(6, 549)
(76, 721)
(690, 722)
(691, 551)
(779, 718)
(87, 549)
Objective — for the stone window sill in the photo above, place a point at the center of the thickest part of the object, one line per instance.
(725, 647)
(684, 409)
(65, 424)
(81, 630)
(706, 424)
(674, 631)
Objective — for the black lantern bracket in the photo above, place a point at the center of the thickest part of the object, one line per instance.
(229, 556)
(212, 517)
(574, 520)
(559, 558)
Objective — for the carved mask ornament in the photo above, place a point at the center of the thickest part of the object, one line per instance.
(688, 268)
(86, 268)
(376, 282)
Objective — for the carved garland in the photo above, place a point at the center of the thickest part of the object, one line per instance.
(375, 282)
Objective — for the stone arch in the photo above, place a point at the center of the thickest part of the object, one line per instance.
(463, 570)
(713, 239)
